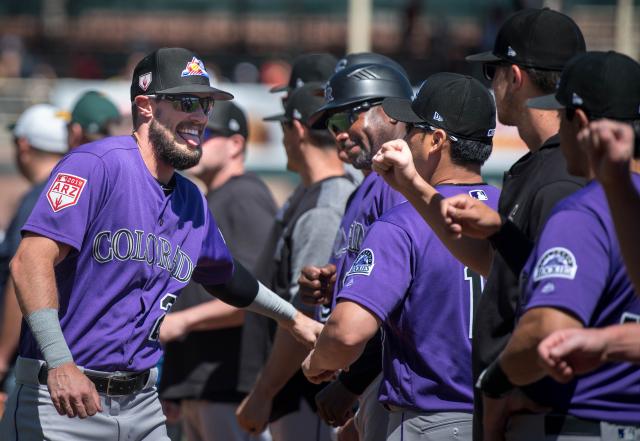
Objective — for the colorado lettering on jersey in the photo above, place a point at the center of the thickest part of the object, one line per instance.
(125, 245)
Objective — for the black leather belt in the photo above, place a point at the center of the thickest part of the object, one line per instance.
(111, 385)
(570, 425)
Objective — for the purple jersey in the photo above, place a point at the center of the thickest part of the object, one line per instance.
(577, 267)
(371, 200)
(424, 296)
(133, 250)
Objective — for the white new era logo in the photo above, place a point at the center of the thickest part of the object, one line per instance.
(437, 117)
(510, 52)
(576, 100)
(296, 114)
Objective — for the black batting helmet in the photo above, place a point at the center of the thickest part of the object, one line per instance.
(363, 82)
(356, 58)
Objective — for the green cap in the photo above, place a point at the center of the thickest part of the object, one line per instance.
(93, 111)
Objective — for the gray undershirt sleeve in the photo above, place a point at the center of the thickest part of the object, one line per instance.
(46, 330)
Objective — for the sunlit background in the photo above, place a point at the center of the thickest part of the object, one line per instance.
(53, 50)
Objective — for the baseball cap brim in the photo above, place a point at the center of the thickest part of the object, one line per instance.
(281, 117)
(216, 94)
(545, 102)
(483, 57)
(400, 110)
(282, 88)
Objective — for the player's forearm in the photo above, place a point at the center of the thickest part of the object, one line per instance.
(210, 316)
(284, 361)
(519, 360)
(624, 203)
(10, 331)
(475, 253)
(337, 347)
(622, 343)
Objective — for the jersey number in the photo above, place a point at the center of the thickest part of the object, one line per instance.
(166, 303)
(476, 285)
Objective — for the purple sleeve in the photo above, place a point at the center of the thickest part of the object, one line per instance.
(570, 265)
(381, 274)
(72, 197)
(215, 265)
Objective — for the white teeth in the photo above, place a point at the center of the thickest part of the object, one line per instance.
(193, 132)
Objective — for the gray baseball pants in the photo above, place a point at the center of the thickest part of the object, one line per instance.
(31, 416)
(406, 425)
(372, 418)
(533, 428)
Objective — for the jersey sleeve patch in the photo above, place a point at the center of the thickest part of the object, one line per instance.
(65, 191)
(557, 262)
(479, 195)
(363, 265)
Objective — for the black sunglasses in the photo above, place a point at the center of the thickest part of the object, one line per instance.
(341, 121)
(489, 69)
(187, 103)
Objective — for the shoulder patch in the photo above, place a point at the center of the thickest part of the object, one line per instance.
(557, 262)
(363, 264)
(65, 191)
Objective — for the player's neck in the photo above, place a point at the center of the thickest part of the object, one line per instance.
(320, 165)
(160, 170)
(222, 176)
(537, 126)
(451, 173)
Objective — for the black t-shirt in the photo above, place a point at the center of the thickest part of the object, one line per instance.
(205, 364)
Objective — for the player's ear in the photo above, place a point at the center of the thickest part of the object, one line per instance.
(581, 120)
(516, 76)
(299, 128)
(145, 108)
(236, 143)
(438, 139)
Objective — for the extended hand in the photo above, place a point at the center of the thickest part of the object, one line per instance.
(314, 374)
(304, 329)
(72, 393)
(335, 403)
(570, 352)
(316, 284)
(394, 163)
(253, 413)
(469, 217)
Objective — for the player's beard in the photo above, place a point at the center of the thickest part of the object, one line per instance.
(167, 149)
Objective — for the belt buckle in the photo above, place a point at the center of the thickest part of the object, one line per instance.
(109, 384)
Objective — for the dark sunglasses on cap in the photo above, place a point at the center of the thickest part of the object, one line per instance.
(341, 121)
(187, 103)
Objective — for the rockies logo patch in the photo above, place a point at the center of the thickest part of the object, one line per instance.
(363, 265)
(65, 191)
(557, 262)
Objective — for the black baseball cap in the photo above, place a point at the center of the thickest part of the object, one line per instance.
(536, 38)
(227, 119)
(173, 70)
(458, 104)
(309, 68)
(357, 84)
(301, 104)
(356, 58)
(603, 84)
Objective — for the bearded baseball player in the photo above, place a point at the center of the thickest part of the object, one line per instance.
(112, 240)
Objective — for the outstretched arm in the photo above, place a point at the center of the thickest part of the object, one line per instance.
(394, 163)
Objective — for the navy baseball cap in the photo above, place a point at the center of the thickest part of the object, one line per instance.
(457, 104)
(603, 84)
(308, 68)
(227, 119)
(173, 70)
(301, 104)
(535, 38)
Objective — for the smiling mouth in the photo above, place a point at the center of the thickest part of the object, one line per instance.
(191, 135)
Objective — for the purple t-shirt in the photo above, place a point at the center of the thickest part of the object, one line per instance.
(407, 278)
(577, 267)
(371, 200)
(133, 250)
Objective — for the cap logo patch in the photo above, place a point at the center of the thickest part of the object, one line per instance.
(299, 82)
(65, 191)
(491, 132)
(328, 93)
(479, 195)
(437, 117)
(511, 52)
(363, 265)
(144, 81)
(340, 65)
(557, 262)
(234, 124)
(296, 114)
(195, 67)
(576, 100)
